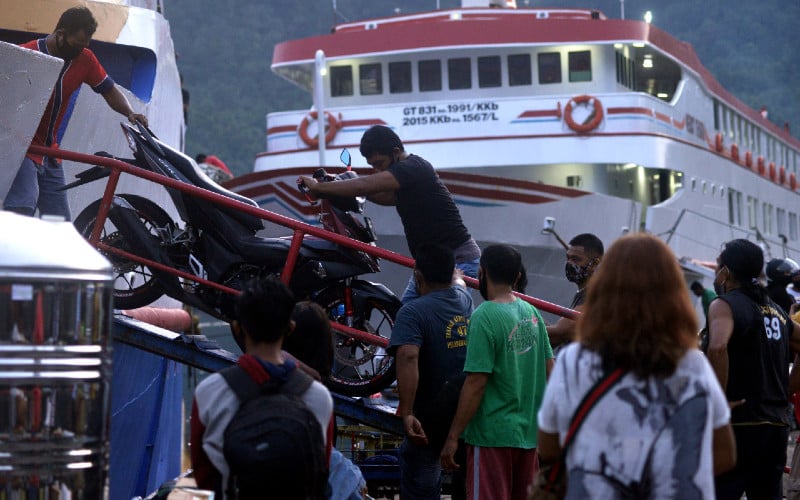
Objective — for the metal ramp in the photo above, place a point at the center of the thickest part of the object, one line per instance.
(207, 355)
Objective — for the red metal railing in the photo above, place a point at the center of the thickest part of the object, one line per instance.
(300, 229)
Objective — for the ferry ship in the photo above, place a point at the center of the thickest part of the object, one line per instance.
(539, 119)
(133, 43)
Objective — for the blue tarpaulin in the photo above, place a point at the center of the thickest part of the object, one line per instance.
(146, 406)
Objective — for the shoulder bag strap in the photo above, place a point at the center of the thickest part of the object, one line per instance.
(588, 402)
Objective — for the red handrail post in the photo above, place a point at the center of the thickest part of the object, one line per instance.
(105, 206)
(291, 259)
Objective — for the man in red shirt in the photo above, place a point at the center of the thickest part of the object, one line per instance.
(39, 177)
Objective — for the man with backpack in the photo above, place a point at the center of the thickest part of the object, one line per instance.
(261, 428)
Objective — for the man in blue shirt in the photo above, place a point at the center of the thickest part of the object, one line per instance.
(429, 344)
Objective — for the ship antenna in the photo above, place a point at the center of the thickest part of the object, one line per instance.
(337, 13)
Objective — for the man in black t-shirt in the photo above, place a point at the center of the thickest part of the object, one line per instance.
(749, 341)
(408, 182)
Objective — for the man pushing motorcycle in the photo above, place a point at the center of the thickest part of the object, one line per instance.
(408, 182)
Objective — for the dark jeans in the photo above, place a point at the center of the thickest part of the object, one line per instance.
(36, 186)
(760, 459)
(421, 472)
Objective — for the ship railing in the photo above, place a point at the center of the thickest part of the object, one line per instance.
(300, 229)
(752, 233)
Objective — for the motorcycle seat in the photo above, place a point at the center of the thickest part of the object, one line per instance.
(192, 172)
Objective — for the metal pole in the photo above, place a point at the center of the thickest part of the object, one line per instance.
(622, 9)
(319, 103)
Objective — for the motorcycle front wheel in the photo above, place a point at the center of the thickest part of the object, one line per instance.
(360, 368)
(134, 283)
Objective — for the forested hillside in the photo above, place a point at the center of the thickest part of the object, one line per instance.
(225, 51)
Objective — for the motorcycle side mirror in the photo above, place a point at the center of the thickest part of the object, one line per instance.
(345, 158)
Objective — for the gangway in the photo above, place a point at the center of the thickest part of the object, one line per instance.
(199, 352)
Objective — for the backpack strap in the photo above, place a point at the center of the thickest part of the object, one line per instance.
(246, 388)
(240, 383)
(297, 384)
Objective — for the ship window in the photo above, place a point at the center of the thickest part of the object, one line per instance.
(430, 75)
(399, 77)
(580, 66)
(732, 209)
(341, 81)
(780, 220)
(574, 181)
(792, 226)
(767, 209)
(519, 69)
(459, 75)
(655, 74)
(549, 65)
(751, 212)
(625, 71)
(370, 79)
(489, 72)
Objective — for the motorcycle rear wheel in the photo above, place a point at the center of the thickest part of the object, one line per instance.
(134, 283)
(360, 368)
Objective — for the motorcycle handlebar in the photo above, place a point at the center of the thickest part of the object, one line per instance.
(349, 204)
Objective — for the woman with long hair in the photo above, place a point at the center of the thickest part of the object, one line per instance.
(749, 337)
(663, 430)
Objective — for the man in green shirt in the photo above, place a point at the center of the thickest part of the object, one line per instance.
(508, 360)
(706, 295)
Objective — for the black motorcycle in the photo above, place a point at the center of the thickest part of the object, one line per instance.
(219, 245)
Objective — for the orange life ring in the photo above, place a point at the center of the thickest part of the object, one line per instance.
(792, 181)
(594, 118)
(333, 127)
(735, 152)
(772, 171)
(782, 175)
(760, 165)
(748, 159)
(718, 144)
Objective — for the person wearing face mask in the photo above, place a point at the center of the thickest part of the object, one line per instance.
(507, 363)
(39, 177)
(408, 182)
(583, 256)
(749, 341)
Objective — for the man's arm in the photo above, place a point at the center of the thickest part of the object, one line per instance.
(205, 474)
(548, 366)
(118, 102)
(794, 338)
(407, 366)
(561, 332)
(720, 330)
(468, 403)
(379, 187)
(385, 198)
(724, 449)
(548, 448)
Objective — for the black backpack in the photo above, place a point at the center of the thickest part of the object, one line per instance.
(273, 444)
